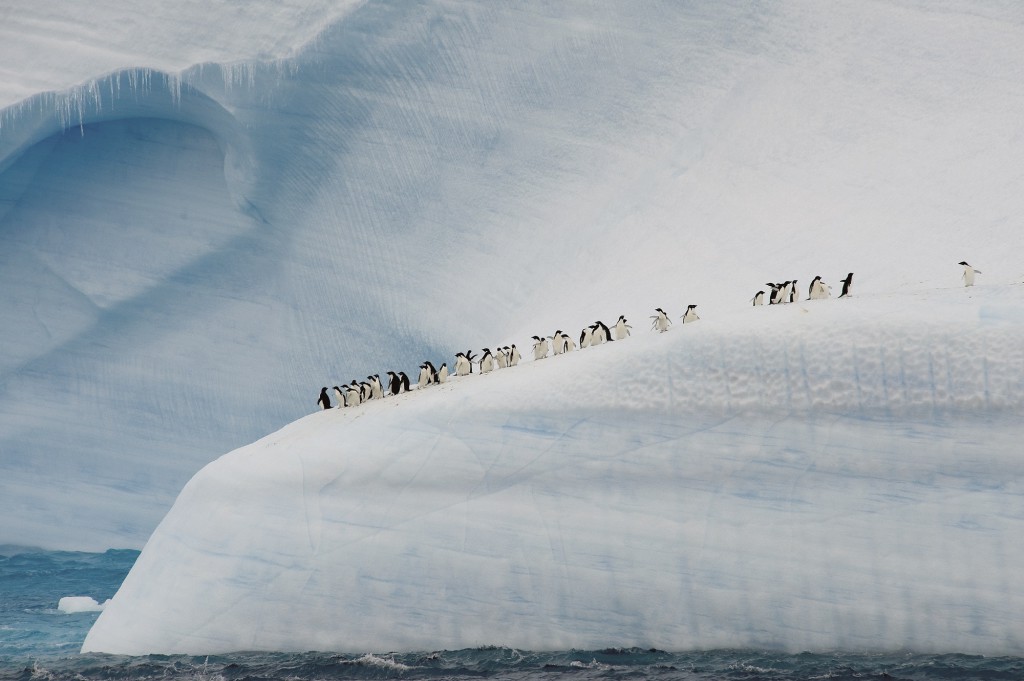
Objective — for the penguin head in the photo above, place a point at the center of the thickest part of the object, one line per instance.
(964, 263)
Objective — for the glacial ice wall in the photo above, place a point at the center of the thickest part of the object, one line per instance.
(201, 225)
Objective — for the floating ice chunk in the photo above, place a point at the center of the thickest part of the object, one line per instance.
(69, 605)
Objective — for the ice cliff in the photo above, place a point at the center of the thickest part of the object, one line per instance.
(836, 474)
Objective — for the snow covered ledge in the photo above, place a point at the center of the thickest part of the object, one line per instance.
(827, 475)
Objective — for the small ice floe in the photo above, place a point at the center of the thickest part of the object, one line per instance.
(70, 605)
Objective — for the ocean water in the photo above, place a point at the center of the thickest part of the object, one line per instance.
(37, 641)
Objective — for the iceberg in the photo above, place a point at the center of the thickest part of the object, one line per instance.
(831, 474)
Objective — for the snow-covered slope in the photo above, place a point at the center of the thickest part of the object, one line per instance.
(202, 221)
(831, 474)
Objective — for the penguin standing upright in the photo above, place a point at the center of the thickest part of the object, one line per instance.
(324, 401)
(340, 396)
(794, 293)
(812, 290)
(486, 361)
(442, 373)
(690, 315)
(773, 298)
(424, 377)
(540, 347)
(501, 358)
(661, 321)
(969, 272)
(394, 383)
(557, 345)
(621, 328)
(601, 333)
(405, 380)
(354, 395)
(847, 285)
(377, 390)
(432, 370)
(758, 298)
(462, 365)
(514, 356)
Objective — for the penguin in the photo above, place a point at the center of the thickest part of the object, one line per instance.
(570, 344)
(621, 328)
(601, 333)
(812, 290)
(405, 380)
(758, 298)
(340, 396)
(793, 294)
(784, 292)
(354, 394)
(486, 362)
(469, 358)
(586, 337)
(365, 391)
(540, 347)
(324, 401)
(432, 370)
(690, 315)
(661, 321)
(847, 285)
(424, 379)
(968, 275)
(514, 356)
(376, 390)
(501, 358)
(557, 345)
(773, 299)
(462, 365)
(442, 373)
(394, 383)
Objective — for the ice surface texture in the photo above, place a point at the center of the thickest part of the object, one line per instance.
(838, 474)
(206, 216)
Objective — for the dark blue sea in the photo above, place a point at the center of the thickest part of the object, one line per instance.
(37, 641)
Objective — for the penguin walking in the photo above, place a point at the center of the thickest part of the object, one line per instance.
(442, 373)
(486, 362)
(405, 381)
(501, 358)
(424, 378)
(812, 290)
(968, 275)
(794, 293)
(394, 383)
(690, 315)
(847, 285)
(376, 389)
(622, 328)
(514, 356)
(354, 394)
(540, 347)
(340, 396)
(462, 364)
(586, 337)
(324, 401)
(818, 290)
(601, 333)
(758, 298)
(660, 322)
(365, 391)
(773, 298)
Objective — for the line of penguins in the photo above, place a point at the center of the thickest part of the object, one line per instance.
(357, 392)
(598, 333)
